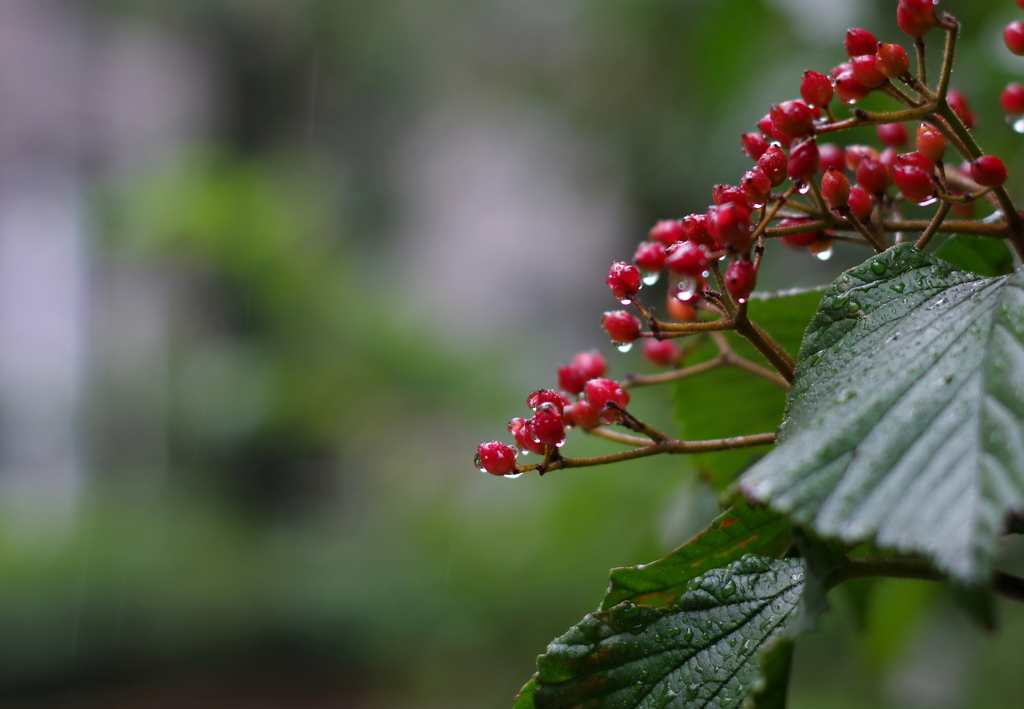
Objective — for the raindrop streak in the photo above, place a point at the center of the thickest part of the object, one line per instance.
(650, 279)
(824, 255)
(624, 347)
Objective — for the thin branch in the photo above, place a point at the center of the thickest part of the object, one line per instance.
(636, 380)
(616, 437)
(940, 214)
(922, 60)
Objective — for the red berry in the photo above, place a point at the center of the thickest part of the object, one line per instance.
(894, 134)
(958, 102)
(892, 60)
(860, 203)
(865, 68)
(622, 327)
(1012, 98)
(740, 278)
(583, 414)
(930, 142)
(988, 171)
(849, 89)
(831, 156)
(495, 458)
(661, 353)
(805, 238)
(667, 232)
(873, 176)
(859, 42)
(888, 158)
(756, 186)
(804, 161)
(548, 427)
(732, 225)
(816, 89)
(624, 280)
(650, 257)
(688, 259)
(773, 164)
(791, 118)
(917, 159)
(695, 228)
(753, 145)
(600, 392)
(1014, 37)
(547, 396)
(769, 131)
(571, 379)
(721, 194)
(1020, 4)
(835, 188)
(522, 431)
(915, 18)
(855, 153)
(591, 364)
(839, 69)
(915, 184)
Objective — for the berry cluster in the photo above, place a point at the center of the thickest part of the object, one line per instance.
(808, 195)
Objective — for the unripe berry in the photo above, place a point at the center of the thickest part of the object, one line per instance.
(915, 184)
(695, 229)
(958, 102)
(722, 194)
(601, 392)
(591, 364)
(773, 164)
(650, 257)
(865, 68)
(831, 156)
(679, 311)
(798, 240)
(855, 153)
(988, 171)
(732, 225)
(522, 431)
(495, 458)
(756, 186)
(893, 134)
(915, 18)
(816, 89)
(859, 42)
(667, 232)
(622, 327)
(860, 203)
(822, 246)
(688, 259)
(791, 118)
(892, 60)
(835, 188)
(754, 145)
(1014, 37)
(930, 142)
(661, 353)
(1011, 100)
(849, 89)
(571, 379)
(542, 397)
(548, 427)
(804, 161)
(583, 414)
(873, 176)
(624, 280)
(740, 278)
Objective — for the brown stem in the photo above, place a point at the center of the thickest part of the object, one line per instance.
(636, 380)
(762, 341)
(940, 214)
(922, 63)
(876, 242)
(617, 437)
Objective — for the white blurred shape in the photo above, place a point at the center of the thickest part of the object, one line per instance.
(823, 22)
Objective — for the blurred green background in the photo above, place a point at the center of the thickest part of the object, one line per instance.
(270, 270)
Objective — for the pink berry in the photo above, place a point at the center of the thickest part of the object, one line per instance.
(740, 278)
(860, 203)
(892, 60)
(831, 156)
(688, 259)
(661, 353)
(835, 188)
(522, 431)
(754, 145)
(802, 239)
(1014, 37)
(930, 142)
(915, 184)
(988, 171)
(917, 159)
(624, 280)
(548, 427)
(888, 158)
(542, 397)
(583, 414)
(859, 42)
(873, 176)
(622, 327)
(849, 89)
(591, 364)
(816, 89)
(773, 164)
(650, 257)
(496, 458)
(892, 134)
(695, 227)
(756, 186)
(601, 392)
(722, 194)
(803, 161)
(1011, 100)
(865, 68)
(856, 153)
(791, 118)
(667, 232)
(915, 18)
(571, 379)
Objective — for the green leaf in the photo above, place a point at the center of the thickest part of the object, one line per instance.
(978, 254)
(740, 530)
(770, 691)
(705, 650)
(731, 402)
(904, 421)
(524, 700)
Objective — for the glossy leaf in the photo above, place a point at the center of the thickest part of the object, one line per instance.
(978, 254)
(740, 530)
(703, 652)
(905, 422)
(731, 402)
(524, 700)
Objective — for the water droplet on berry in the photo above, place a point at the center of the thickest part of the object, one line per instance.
(824, 255)
(849, 101)
(757, 205)
(512, 476)
(625, 301)
(741, 301)
(1018, 125)
(560, 443)
(624, 347)
(479, 464)
(650, 278)
(804, 188)
(928, 202)
(687, 289)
